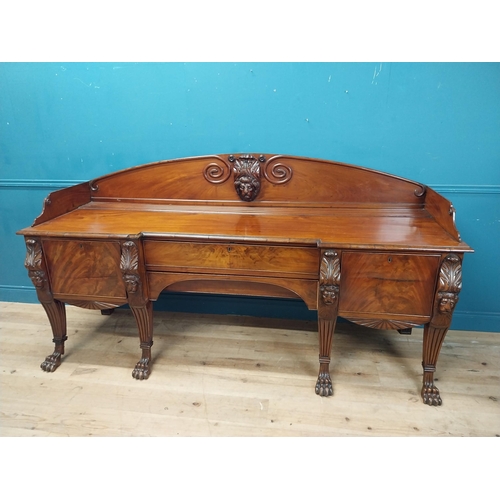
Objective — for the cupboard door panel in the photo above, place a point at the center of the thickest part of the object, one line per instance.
(388, 283)
(85, 268)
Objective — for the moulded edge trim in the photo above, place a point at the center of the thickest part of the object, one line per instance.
(58, 184)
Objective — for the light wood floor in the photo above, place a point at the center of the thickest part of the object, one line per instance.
(237, 376)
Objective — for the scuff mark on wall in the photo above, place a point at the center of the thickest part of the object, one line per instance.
(86, 84)
(376, 73)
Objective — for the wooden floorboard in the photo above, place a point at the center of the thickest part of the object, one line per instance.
(237, 376)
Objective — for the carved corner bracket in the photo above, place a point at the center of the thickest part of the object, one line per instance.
(247, 172)
(36, 269)
(329, 277)
(448, 288)
(33, 263)
(129, 266)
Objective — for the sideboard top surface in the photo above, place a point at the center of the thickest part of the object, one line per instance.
(341, 228)
(300, 200)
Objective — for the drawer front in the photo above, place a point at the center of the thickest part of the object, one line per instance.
(85, 268)
(232, 259)
(388, 283)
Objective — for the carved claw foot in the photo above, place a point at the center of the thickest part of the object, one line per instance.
(51, 362)
(141, 370)
(324, 385)
(430, 394)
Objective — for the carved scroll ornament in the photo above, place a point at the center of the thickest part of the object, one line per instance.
(247, 172)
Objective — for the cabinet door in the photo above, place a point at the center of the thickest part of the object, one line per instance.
(391, 283)
(84, 268)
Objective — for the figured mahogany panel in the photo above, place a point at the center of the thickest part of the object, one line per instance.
(85, 268)
(443, 212)
(250, 259)
(63, 201)
(268, 179)
(167, 180)
(396, 284)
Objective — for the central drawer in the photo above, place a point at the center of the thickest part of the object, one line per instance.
(298, 262)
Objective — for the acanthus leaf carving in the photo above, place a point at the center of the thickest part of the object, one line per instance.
(449, 286)
(33, 263)
(329, 276)
(450, 274)
(129, 266)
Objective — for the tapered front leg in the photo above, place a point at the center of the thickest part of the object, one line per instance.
(324, 383)
(56, 312)
(328, 304)
(144, 318)
(134, 276)
(445, 299)
(433, 340)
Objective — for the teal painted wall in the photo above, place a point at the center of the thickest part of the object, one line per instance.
(436, 123)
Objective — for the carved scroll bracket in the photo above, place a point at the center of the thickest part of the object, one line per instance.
(449, 286)
(129, 266)
(420, 191)
(329, 277)
(452, 211)
(247, 172)
(36, 269)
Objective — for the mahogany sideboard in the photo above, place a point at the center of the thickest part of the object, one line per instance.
(376, 249)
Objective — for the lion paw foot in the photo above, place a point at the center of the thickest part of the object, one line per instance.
(430, 395)
(141, 370)
(324, 385)
(51, 362)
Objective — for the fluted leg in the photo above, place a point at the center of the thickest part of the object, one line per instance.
(134, 277)
(445, 300)
(328, 305)
(433, 340)
(144, 318)
(56, 313)
(324, 383)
